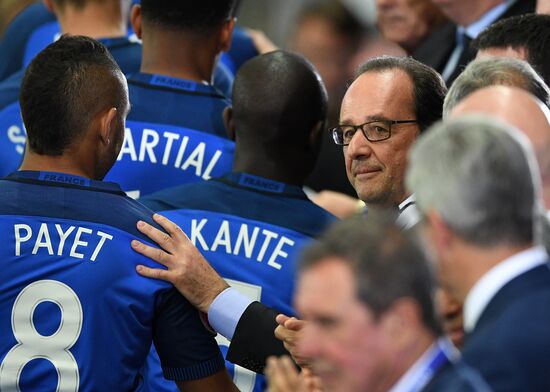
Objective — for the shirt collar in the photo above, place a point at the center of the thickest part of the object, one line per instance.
(408, 213)
(495, 279)
(63, 180)
(423, 370)
(171, 83)
(245, 180)
(474, 29)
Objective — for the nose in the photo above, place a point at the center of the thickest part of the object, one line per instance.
(358, 147)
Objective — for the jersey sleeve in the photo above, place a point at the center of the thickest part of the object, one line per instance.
(186, 348)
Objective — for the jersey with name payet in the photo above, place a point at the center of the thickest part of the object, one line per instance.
(69, 292)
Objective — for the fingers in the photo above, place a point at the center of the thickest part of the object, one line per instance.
(155, 254)
(282, 375)
(280, 333)
(294, 324)
(153, 273)
(281, 319)
(171, 228)
(162, 239)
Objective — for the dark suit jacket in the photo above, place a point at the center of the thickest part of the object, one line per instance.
(457, 377)
(438, 46)
(510, 345)
(254, 339)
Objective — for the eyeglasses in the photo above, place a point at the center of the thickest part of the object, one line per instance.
(374, 131)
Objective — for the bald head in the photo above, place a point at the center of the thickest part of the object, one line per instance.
(520, 109)
(279, 109)
(282, 95)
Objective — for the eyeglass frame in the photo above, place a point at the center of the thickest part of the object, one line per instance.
(360, 127)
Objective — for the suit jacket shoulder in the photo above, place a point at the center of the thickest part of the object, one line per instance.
(254, 339)
(457, 377)
(437, 47)
(510, 343)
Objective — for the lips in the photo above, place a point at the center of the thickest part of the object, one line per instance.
(367, 171)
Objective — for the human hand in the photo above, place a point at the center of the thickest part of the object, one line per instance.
(262, 43)
(287, 331)
(187, 269)
(338, 204)
(282, 376)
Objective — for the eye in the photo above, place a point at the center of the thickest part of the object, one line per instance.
(348, 132)
(379, 128)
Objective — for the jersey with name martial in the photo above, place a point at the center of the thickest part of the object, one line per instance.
(12, 130)
(174, 135)
(251, 229)
(73, 311)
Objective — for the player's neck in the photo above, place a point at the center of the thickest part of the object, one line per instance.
(58, 164)
(178, 55)
(95, 20)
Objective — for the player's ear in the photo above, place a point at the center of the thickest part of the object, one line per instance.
(48, 4)
(228, 122)
(135, 19)
(226, 35)
(108, 126)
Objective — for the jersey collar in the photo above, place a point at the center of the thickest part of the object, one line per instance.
(63, 180)
(245, 180)
(172, 83)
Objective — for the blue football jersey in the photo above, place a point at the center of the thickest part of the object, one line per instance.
(13, 45)
(174, 135)
(251, 230)
(73, 311)
(242, 49)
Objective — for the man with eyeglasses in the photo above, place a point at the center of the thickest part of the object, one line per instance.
(391, 101)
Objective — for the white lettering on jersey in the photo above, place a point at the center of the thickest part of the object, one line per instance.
(175, 152)
(251, 242)
(17, 136)
(43, 241)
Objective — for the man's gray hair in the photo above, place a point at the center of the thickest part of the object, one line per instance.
(481, 176)
(482, 73)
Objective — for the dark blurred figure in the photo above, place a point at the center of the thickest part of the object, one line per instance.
(328, 34)
(9, 10)
(447, 48)
(524, 37)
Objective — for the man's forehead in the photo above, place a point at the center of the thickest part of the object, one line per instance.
(377, 94)
(325, 284)
(519, 53)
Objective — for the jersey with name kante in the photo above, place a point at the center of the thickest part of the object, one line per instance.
(251, 229)
(73, 311)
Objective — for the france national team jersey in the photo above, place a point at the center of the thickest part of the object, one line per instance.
(251, 230)
(73, 311)
(242, 49)
(174, 135)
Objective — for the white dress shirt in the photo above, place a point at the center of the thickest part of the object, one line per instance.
(496, 278)
(408, 213)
